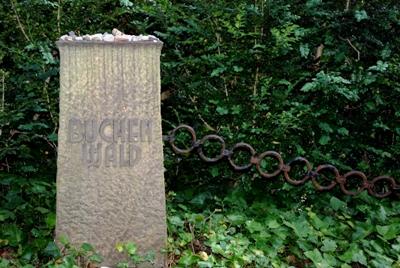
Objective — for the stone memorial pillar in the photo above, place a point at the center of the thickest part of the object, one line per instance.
(110, 184)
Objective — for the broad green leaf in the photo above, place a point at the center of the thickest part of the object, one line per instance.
(218, 71)
(361, 15)
(13, 234)
(362, 231)
(325, 127)
(316, 257)
(254, 226)
(330, 260)
(300, 226)
(343, 131)
(308, 87)
(131, 248)
(176, 220)
(6, 214)
(237, 69)
(87, 247)
(4, 263)
(304, 50)
(222, 110)
(42, 210)
(63, 240)
(125, 3)
(337, 204)
(52, 250)
(52, 137)
(236, 219)
(354, 254)
(96, 258)
(214, 171)
(51, 220)
(329, 245)
(389, 232)
(324, 140)
(380, 66)
(273, 224)
(188, 259)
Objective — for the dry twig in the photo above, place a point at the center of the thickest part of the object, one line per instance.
(21, 27)
(358, 51)
(347, 6)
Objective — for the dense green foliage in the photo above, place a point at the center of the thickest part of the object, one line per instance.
(314, 78)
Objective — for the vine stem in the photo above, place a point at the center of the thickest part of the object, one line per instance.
(3, 90)
(347, 6)
(19, 21)
(59, 17)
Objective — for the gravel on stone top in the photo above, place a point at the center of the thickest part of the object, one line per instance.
(114, 36)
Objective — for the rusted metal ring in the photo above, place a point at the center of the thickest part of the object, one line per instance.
(243, 147)
(333, 182)
(353, 173)
(270, 154)
(305, 178)
(173, 136)
(211, 159)
(372, 190)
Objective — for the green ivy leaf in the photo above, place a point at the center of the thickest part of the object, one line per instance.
(304, 50)
(273, 224)
(63, 240)
(176, 220)
(360, 15)
(96, 258)
(218, 71)
(316, 257)
(42, 210)
(6, 214)
(254, 226)
(52, 250)
(214, 171)
(325, 127)
(125, 3)
(237, 69)
(86, 247)
(51, 220)
(308, 87)
(381, 214)
(343, 131)
(329, 245)
(300, 226)
(337, 204)
(389, 232)
(324, 140)
(379, 67)
(236, 219)
(188, 259)
(131, 248)
(205, 264)
(222, 110)
(13, 234)
(52, 137)
(354, 254)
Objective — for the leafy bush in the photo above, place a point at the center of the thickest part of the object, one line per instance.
(266, 233)
(313, 78)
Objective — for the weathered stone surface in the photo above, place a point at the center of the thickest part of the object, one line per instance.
(110, 184)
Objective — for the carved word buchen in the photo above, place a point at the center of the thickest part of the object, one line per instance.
(110, 142)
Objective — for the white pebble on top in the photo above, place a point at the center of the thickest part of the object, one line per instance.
(115, 36)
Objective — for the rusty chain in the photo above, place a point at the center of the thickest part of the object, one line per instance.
(387, 184)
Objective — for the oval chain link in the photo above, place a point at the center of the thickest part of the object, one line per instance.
(380, 187)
